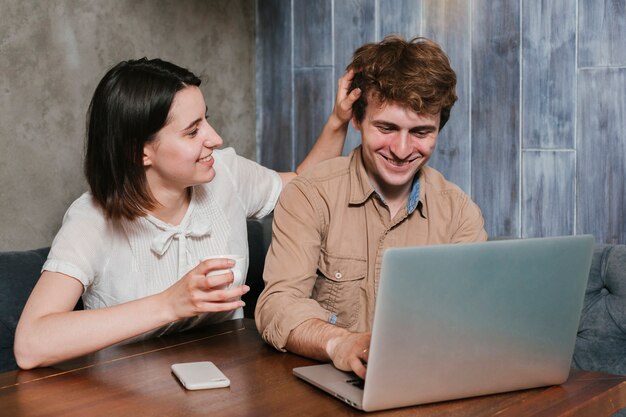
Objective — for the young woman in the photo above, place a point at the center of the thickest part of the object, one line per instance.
(162, 197)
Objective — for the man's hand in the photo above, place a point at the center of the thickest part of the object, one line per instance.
(350, 351)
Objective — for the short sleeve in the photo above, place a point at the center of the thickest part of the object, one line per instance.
(78, 250)
(257, 187)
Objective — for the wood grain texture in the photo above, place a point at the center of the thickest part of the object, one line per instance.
(548, 193)
(601, 194)
(549, 73)
(448, 23)
(495, 114)
(355, 25)
(273, 85)
(313, 101)
(400, 17)
(519, 87)
(312, 33)
(135, 380)
(602, 33)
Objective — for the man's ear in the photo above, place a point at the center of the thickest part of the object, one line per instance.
(355, 123)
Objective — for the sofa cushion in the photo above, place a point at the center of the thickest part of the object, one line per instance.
(259, 237)
(601, 340)
(19, 271)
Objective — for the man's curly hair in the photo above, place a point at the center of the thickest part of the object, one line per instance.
(415, 74)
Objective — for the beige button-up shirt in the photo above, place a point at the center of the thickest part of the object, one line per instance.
(330, 231)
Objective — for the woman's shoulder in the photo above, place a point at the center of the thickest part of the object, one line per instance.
(85, 212)
(85, 205)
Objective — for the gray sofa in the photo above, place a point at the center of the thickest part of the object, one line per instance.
(601, 340)
(600, 345)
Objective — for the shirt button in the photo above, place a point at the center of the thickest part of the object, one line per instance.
(338, 275)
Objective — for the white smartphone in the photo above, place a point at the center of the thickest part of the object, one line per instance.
(200, 375)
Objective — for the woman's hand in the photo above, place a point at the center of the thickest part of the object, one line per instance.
(342, 111)
(196, 293)
(330, 142)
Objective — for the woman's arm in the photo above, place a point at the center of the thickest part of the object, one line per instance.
(330, 142)
(49, 331)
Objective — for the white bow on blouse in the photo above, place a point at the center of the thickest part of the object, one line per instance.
(162, 242)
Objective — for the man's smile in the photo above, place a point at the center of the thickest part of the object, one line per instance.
(399, 162)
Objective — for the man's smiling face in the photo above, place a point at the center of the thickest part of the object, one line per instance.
(397, 142)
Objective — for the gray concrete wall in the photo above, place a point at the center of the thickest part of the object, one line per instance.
(53, 53)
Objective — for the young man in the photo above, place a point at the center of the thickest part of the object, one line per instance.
(333, 223)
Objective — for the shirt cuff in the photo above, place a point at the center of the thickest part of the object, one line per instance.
(69, 269)
(290, 317)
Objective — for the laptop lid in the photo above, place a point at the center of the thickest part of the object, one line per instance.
(456, 321)
(462, 320)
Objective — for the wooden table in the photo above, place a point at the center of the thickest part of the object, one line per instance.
(135, 380)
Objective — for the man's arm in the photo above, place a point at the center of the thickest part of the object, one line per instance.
(291, 265)
(287, 316)
(324, 341)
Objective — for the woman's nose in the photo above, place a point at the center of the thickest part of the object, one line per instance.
(213, 139)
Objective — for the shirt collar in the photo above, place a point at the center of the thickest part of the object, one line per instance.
(414, 195)
(361, 188)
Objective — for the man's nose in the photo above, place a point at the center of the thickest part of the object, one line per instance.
(401, 146)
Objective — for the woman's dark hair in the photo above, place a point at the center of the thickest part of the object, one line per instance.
(130, 105)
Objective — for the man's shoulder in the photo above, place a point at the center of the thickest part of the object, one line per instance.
(328, 170)
(325, 184)
(438, 183)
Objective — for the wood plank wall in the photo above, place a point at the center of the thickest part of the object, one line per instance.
(538, 136)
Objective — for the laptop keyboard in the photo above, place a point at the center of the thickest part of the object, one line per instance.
(357, 382)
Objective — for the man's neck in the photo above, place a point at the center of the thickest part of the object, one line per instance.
(395, 197)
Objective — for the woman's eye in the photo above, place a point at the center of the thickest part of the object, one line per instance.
(193, 133)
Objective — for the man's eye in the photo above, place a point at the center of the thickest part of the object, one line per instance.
(193, 133)
(385, 129)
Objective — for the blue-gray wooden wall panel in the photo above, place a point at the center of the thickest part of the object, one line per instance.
(548, 193)
(495, 114)
(601, 195)
(525, 107)
(400, 17)
(548, 74)
(312, 33)
(354, 25)
(313, 101)
(602, 33)
(448, 23)
(273, 83)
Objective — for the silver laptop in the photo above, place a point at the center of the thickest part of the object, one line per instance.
(455, 321)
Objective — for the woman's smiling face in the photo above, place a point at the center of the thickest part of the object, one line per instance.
(181, 154)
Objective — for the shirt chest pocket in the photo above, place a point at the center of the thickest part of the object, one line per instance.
(338, 287)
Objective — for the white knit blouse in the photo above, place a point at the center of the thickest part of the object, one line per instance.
(128, 260)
